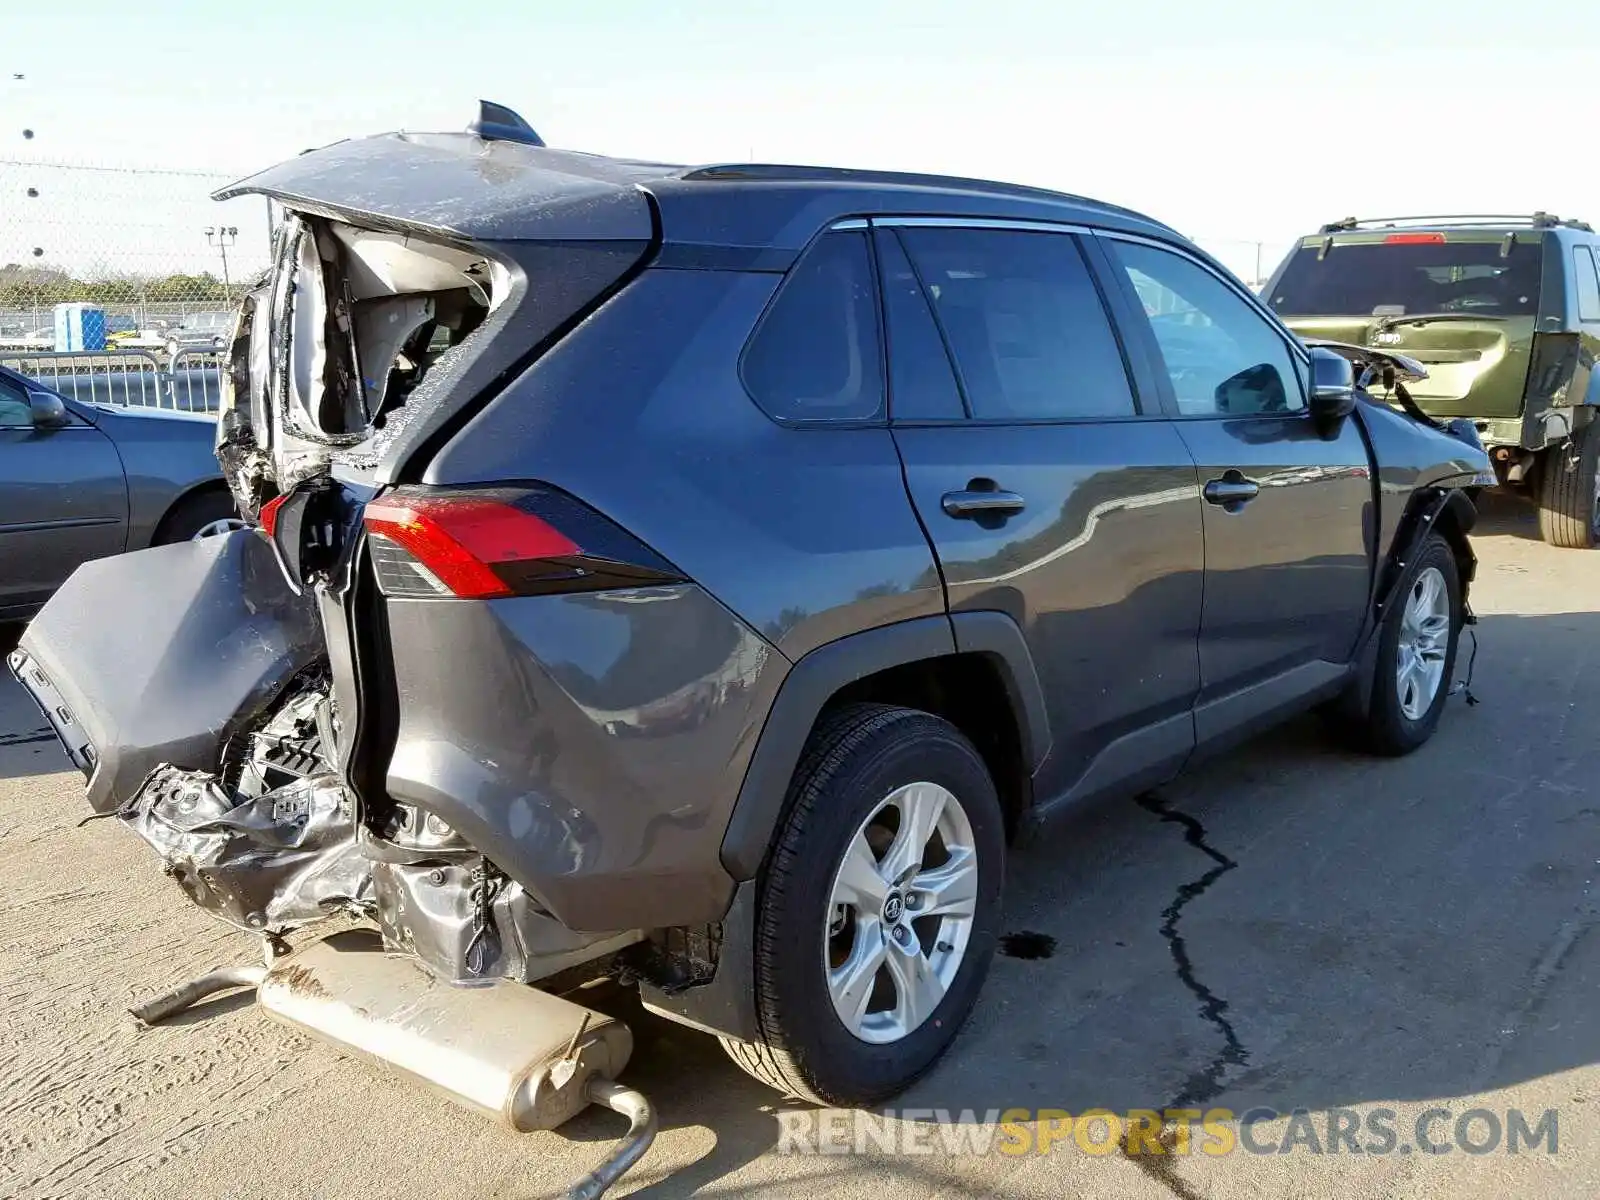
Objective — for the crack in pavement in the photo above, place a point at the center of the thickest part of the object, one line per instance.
(1205, 1084)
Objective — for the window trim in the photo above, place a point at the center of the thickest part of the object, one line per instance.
(878, 420)
(1081, 236)
(1298, 354)
(1588, 252)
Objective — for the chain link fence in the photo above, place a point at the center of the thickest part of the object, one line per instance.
(156, 261)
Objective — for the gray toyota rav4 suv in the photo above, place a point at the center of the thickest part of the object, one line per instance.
(701, 575)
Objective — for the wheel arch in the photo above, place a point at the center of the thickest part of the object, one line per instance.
(1446, 511)
(973, 669)
(204, 489)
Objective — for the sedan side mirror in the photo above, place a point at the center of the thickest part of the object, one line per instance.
(48, 410)
(1333, 389)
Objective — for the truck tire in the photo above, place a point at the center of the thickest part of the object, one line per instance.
(878, 909)
(1569, 491)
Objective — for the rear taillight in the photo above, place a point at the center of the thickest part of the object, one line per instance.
(488, 543)
(1414, 239)
(269, 514)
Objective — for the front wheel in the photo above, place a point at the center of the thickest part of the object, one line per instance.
(1416, 654)
(878, 910)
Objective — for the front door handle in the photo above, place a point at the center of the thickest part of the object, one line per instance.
(1233, 491)
(976, 502)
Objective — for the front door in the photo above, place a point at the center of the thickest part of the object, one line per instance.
(1288, 512)
(62, 501)
(1047, 491)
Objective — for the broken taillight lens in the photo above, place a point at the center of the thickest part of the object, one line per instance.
(490, 543)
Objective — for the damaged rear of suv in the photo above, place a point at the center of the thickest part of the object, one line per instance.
(379, 702)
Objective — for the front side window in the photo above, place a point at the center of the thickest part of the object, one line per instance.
(815, 355)
(1583, 268)
(14, 407)
(1024, 322)
(1222, 356)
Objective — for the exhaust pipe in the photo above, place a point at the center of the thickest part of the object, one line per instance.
(526, 1059)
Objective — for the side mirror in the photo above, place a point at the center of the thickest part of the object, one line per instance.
(1333, 388)
(48, 411)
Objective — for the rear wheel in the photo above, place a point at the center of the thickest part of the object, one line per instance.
(878, 909)
(203, 515)
(1569, 491)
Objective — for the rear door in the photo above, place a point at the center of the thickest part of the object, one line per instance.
(1288, 512)
(63, 500)
(1049, 490)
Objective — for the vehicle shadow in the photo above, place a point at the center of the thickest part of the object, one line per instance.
(1506, 514)
(27, 746)
(1380, 930)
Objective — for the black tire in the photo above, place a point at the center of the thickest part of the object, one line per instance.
(1569, 499)
(1385, 728)
(855, 759)
(193, 513)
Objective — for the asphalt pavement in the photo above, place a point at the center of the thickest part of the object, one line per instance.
(1407, 945)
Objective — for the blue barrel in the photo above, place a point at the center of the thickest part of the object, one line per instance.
(80, 327)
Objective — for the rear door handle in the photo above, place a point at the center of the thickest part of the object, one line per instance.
(1232, 491)
(978, 503)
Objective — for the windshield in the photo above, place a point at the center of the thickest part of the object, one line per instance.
(1396, 279)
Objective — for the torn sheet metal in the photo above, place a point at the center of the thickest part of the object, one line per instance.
(274, 861)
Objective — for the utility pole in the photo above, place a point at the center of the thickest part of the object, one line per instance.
(220, 237)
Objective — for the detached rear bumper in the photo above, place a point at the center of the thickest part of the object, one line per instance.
(161, 656)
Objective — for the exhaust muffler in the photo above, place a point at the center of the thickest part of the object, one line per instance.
(524, 1058)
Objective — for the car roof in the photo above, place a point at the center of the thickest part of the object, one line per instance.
(466, 186)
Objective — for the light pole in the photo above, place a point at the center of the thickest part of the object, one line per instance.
(221, 237)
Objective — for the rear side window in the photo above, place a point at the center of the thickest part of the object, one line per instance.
(1588, 282)
(1405, 278)
(815, 355)
(1024, 323)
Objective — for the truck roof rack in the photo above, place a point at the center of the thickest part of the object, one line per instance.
(1538, 220)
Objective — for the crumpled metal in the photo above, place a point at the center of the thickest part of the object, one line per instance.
(275, 861)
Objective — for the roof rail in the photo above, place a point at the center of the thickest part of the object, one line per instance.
(1538, 220)
(497, 123)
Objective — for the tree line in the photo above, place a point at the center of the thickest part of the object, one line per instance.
(30, 287)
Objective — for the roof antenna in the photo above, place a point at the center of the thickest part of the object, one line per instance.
(497, 123)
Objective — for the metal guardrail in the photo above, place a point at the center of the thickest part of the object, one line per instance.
(189, 381)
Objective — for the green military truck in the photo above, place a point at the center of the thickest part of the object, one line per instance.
(1505, 314)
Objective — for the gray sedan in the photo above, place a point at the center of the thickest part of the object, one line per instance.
(81, 481)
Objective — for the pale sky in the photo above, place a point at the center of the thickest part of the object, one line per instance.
(1234, 122)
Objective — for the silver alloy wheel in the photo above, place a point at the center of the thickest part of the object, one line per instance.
(900, 912)
(214, 528)
(1424, 639)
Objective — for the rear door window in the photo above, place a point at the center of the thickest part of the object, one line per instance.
(1405, 278)
(1588, 283)
(815, 355)
(1024, 323)
(922, 384)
